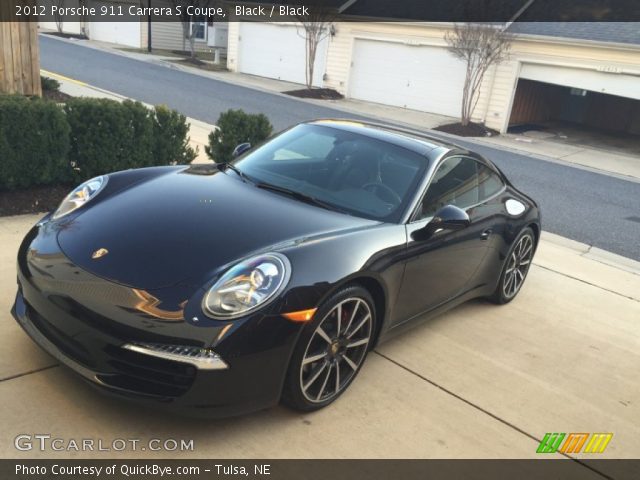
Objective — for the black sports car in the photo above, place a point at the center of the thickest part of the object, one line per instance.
(222, 289)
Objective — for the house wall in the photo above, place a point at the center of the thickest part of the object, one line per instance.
(67, 27)
(169, 36)
(341, 45)
(77, 27)
(340, 49)
(499, 85)
(232, 46)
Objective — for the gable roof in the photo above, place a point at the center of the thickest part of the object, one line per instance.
(616, 32)
(435, 10)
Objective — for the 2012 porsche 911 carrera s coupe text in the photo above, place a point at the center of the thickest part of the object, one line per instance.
(222, 289)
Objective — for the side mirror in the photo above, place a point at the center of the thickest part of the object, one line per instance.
(240, 149)
(448, 217)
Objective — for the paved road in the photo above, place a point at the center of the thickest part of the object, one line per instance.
(596, 209)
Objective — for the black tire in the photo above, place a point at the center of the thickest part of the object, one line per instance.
(338, 373)
(503, 292)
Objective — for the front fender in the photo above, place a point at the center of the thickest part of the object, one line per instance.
(322, 266)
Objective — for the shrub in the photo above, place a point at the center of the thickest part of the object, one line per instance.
(34, 143)
(235, 127)
(40, 142)
(49, 84)
(171, 137)
(107, 136)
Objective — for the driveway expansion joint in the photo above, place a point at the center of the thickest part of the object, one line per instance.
(30, 372)
(486, 412)
(586, 282)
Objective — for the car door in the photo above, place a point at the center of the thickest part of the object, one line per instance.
(443, 266)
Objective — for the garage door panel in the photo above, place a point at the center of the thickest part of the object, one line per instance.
(277, 51)
(610, 83)
(121, 33)
(416, 77)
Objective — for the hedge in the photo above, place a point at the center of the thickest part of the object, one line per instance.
(171, 137)
(34, 143)
(236, 127)
(107, 136)
(43, 144)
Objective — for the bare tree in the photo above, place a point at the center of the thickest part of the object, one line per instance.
(480, 46)
(57, 16)
(188, 29)
(315, 27)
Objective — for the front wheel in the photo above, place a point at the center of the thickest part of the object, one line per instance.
(515, 268)
(331, 350)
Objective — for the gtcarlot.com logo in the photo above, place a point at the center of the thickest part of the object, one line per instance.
(46, 442)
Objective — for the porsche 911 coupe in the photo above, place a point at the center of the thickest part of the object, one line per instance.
(226, 288)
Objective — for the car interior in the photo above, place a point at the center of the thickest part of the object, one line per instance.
(351, 171)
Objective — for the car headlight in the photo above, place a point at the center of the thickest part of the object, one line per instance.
(81, 195)
(247, 286)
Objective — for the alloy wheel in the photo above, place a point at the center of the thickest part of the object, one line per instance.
(336, 350)
(518, 266)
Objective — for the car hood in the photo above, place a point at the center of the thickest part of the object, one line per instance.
(185, 225)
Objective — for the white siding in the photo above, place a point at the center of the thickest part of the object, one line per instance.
(170, 36)
(232, 46)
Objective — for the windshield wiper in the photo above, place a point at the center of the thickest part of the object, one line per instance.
(223, 166)
(299, 196)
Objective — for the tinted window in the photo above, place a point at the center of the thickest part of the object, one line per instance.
(459, 181)
(355, 173)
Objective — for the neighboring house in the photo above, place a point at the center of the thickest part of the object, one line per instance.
(130, 34)
(164, 35)
(208, 35)
(586, 73)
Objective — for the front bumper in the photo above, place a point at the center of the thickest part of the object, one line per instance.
(60, 308)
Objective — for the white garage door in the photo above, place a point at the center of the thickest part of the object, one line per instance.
(422, 78)
(122, 33)
(277, 51)
(609, 83)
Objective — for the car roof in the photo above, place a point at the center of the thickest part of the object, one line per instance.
(416, 141)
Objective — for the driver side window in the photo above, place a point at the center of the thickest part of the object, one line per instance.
(456, 182)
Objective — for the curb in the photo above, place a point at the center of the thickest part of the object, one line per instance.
(594, 253)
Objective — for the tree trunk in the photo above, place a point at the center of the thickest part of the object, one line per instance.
(311, 62)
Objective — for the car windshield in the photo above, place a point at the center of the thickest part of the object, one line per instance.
(337, 169)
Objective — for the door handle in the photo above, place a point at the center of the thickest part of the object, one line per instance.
(486, 234)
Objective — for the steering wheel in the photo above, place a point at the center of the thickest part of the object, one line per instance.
(385, 190)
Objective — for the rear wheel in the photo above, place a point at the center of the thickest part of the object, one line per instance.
(515, 268)
(331, 350)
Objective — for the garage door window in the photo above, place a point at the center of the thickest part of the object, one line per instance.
(462, 182)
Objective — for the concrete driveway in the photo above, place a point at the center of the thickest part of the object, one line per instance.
(479, 382)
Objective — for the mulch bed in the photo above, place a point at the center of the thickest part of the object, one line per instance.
(32, 200)
(317, 93)
(55, 96)
(66, 35)
(471, 130)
